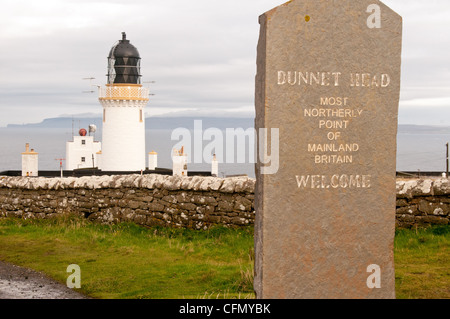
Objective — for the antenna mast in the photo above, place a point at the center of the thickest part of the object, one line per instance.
(90, 84)
(149, 86)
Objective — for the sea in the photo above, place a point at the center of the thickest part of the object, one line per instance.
(50, 144)
(419, 149)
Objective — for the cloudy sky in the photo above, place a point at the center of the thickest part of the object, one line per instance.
(200, 53)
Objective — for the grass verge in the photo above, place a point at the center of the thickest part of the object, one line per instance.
(422, 263)
(129, 261)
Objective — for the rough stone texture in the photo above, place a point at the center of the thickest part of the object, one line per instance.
(192, 202)
(421, 203)
(322, 221)
(109, 201)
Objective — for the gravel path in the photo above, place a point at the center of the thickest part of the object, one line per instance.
(21, 283)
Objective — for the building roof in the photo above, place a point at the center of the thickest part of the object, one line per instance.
(124, 49)
(124, 63)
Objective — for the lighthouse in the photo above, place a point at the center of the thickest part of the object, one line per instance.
(123, 100)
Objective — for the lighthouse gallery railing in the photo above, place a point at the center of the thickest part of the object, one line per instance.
(123, 93)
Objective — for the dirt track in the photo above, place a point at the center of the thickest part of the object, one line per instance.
(21, 283)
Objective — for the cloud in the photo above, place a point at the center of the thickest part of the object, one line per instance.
(429, 102)
(201, 53)
(24, 18)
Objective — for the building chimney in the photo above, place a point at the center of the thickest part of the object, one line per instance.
(152, 161)
(179, 159)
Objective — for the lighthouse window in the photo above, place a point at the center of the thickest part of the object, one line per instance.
(104, 116)
(140, 115)
(83, 142)
(83, 159)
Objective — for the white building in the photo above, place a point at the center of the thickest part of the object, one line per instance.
(82, 152)
(179, 163)
(123, 101)
(152, 160)
(30, 162)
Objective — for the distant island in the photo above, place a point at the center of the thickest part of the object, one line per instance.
(157, 123)
(170, 123)
(423, 129)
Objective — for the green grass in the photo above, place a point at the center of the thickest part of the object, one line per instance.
(422, 263)
(129, 261)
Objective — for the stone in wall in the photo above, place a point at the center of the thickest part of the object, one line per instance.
(149, 181)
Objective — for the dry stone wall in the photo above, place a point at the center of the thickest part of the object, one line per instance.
(192, 202)
(422, 202)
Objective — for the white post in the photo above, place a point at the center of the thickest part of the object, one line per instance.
(99, 159)
(215, 166)
(152, 160)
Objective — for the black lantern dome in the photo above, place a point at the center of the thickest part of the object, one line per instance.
(124, 63)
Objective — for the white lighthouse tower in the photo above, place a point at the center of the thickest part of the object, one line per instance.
(123, 100)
